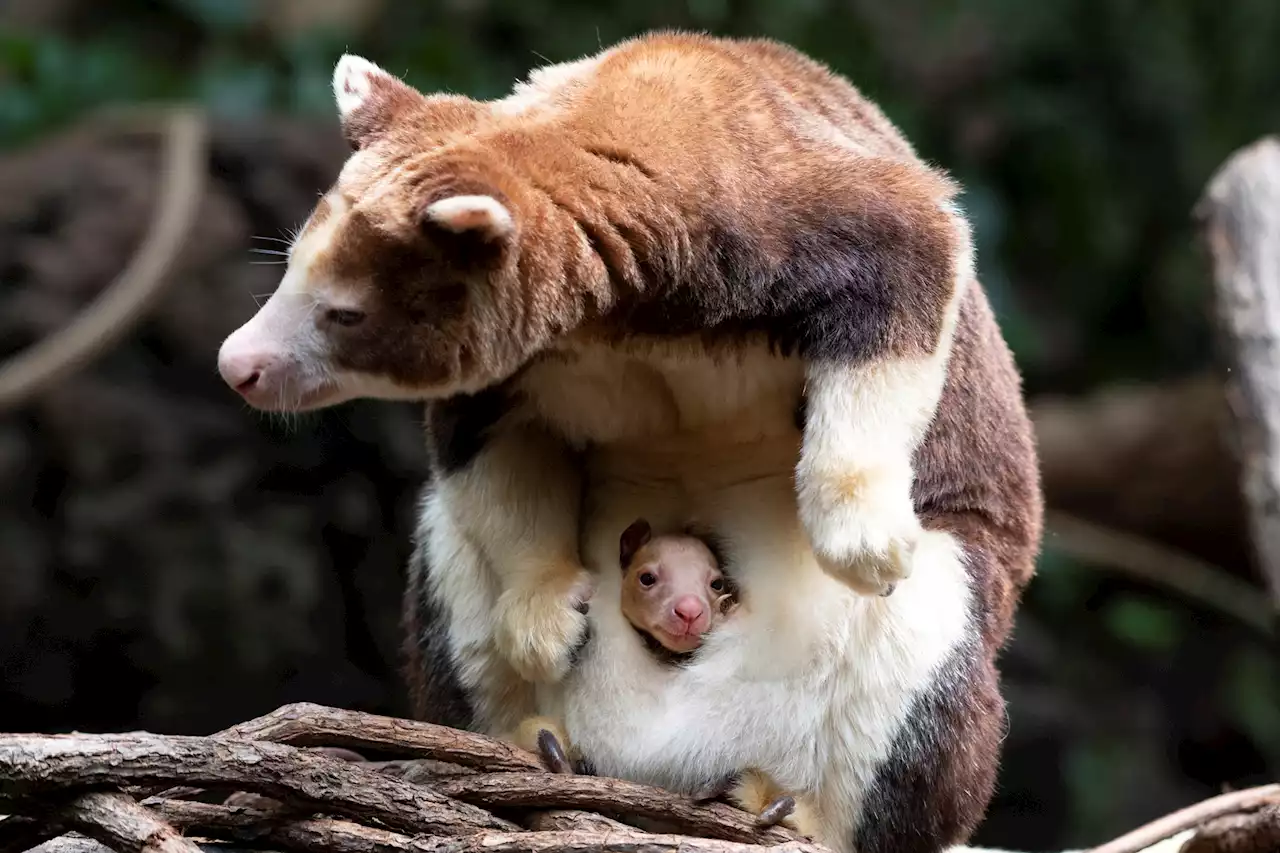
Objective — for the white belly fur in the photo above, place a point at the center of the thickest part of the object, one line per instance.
(809, 681)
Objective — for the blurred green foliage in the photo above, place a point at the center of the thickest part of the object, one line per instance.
(1083, 131)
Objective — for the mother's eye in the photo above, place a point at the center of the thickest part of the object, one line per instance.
(344, 317)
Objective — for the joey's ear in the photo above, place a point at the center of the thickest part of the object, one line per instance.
(632, 540)
(368, 98)
(481, 215)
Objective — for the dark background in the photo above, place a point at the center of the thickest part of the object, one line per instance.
(170, 560)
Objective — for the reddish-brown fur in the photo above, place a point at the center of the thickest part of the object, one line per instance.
(680, 161)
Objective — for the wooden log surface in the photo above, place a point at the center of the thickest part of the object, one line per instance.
(305, 724)
(548, 790)
(126, 827)
(338, 836)
(34, 765)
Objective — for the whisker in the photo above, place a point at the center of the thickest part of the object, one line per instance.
(269, 263)
(272, 239)
(258, 251)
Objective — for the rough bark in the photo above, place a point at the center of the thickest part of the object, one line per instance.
(1195, 817)
(543, 790)
(32, 766)
(1248, 832)
(119, 822)
(566, 819)
(306, 724)
(1240, 212)
(338, 836)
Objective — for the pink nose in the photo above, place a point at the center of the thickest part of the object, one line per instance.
(688, 608)
(242, 370)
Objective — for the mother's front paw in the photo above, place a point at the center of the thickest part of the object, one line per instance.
(539, 629)
(862, 526)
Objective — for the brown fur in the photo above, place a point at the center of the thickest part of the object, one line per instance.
(681, 186)
(676, 141)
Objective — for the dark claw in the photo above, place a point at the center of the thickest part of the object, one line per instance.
(776, 812)
(715, 790)
(552, 753)
(576, 654)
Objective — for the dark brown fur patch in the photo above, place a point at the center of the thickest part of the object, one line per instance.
(976, 471)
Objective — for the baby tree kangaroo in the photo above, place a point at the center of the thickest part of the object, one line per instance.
(674, 593)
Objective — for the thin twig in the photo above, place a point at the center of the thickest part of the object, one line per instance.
(1245, 832)
(126, 299)
(1158, 564)
(1190, 818)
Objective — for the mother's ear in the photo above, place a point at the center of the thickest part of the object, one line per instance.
(368, 98)
(481, 216)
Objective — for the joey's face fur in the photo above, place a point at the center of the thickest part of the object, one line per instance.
(405, 282)
(673, 588)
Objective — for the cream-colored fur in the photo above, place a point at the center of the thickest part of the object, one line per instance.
(517, 568)
(809, 683)
(864, 423)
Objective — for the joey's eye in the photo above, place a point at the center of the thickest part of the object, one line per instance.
(344, 317)
(717, 584)
(648, 579)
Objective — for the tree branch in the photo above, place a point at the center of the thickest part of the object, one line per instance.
(338, 836)
(1188, 576)
(305, 724)
(120, 823)
(551, 790)
(126, 299)
(32, 765)
(1240, 215)
(1191, 817)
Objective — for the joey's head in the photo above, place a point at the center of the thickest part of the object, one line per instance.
(411, 278)
(673, 588)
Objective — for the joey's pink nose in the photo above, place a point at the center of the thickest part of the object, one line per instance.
(689, 609)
